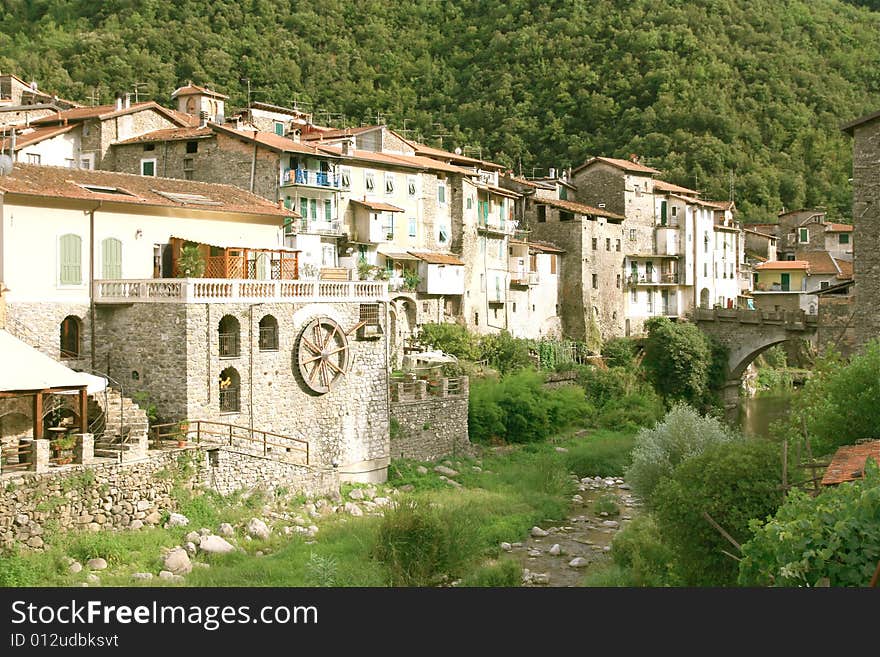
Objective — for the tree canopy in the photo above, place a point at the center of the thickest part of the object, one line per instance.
(715, 93)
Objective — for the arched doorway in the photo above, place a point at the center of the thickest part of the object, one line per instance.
(704, 298)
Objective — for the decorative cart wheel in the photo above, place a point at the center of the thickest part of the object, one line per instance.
(322, 354)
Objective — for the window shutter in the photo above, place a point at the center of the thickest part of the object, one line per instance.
(71, 259)
(111, 258)
(328, 211)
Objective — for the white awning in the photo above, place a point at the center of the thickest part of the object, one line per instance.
(24, 368)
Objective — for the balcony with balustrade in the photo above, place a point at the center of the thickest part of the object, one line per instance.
(310, 178)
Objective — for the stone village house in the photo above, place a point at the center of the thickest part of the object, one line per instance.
(92, 259)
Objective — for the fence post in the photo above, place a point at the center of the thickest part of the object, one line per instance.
(84, 450)
(39, 456)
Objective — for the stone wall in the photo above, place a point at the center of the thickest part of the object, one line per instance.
(837, 326)
(431, 428)
(39, 325)
(136, 494)
(866, 217)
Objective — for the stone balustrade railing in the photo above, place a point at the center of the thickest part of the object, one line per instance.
(226, 290)
(421, 389)
(791, 318)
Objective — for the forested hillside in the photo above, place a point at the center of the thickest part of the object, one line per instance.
(710, 91)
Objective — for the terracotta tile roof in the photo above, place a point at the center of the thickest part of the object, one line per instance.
(783, 265)
(820, 262)
(578, 208)
(317, 133)
(378, 206)
(439, 153)
(721, 205)
(394, 159)
(848, 463)
(545, 247)
(61, 182)
(34, 135)
(664, 186)
(191, 89)
(626, 165)
(437, 258)
(758, 233)
(838, 228)
(267, 139)
(170, 134)
(846, 269)
(503, 192)
(104, 112)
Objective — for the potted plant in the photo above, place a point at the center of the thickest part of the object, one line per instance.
(182, 429)
(63, 444)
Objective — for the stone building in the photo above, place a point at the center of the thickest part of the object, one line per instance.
(865, 132)
(93, 259)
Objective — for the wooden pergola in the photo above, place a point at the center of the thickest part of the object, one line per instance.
(38, 404)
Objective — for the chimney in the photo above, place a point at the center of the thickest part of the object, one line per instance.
(203, 119)
(346, 147)
(634, 158)
(552, 173)
(118, 102)
(127, 101)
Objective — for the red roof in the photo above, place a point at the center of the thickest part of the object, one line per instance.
(378, 206)
(126, 188)
(170, 134)
(838, 228)
(578, 208)
(664, 186)
(313, 132)
(267, 139)
(626, 165)
(104, 112)
(34, 135)
(192, 89)
(783, 265)
(437, 258)
(820, 262)
(545, 247)
(846, 269)
(848, 463)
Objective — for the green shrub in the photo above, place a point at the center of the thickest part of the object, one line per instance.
(835, 535)
(422, 546)
(639, 549)
(453, 339)
(505, 352)
(606, 503)
(838, 404)
(681, 434)
(506, 573)
(605, 454)
(18, 570)
(734, 483)
(632, 411)
(620, 352)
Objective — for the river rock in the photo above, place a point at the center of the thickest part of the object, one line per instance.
(22, 519)
(166, 574)
(177, 561)
(562, 450)
(225, 529)
(177, 520)
(534, 552)
(215, 545)
(537, 532)
(75, 568)
(623, 486)
(193, 537)
(96, 564)
(190, 548)
(445, 471)
(136, 524)
(613, 524)
(356, 494)
(141, 576)
(258, 529)
(555, 550)
(507, 547)
(353, 509)
(381, 501)
(578, 562)
(93, 579)
(422, 470)
(153, 518)
(35, 542)
(540, 578)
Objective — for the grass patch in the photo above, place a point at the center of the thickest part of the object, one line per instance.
(604, 453)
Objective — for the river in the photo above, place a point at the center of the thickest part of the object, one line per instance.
(757, 413)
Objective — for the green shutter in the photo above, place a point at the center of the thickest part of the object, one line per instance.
(71, 259)
(441, 194)
(111, 258)
(328, 211)
(662, 213)
(314, 204)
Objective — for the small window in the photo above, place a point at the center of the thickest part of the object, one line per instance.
(279, 128)
(632, 234)
(476, 319)
(345, 178)
(229, 332)
(803, 235)
(514, 306)
(469, 203)
(633, 295)
(148, 167)
(33, 158)
(369, 181)
(595, 281)
(230, 391)
(71, 331)
(411, 186)
(369, 313)
(149, 147)
(188, 163)
(389, 183)
(268, 333)
(412, 226)
(823, 285)
(607, 243)
(618, 245)
(595, 243)
(192, 147)
(843, 238)
(542, 213)
(328, 210)
(441, 194)
(443, 237)
(618, 281)
(565, 216)
(70, 163)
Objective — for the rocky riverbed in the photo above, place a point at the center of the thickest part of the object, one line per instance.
(561, 554)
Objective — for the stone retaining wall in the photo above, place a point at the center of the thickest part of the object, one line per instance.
(135, 494)
(431, 428)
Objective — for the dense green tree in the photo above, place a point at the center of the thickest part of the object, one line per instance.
(711, 92)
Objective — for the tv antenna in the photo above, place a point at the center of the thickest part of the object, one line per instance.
(136, 86)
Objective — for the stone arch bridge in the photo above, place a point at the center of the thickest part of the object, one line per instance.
(749, 333)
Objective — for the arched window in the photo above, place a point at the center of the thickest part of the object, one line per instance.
(70, 259)
(229, 332)
(71, 332)
(230, 391)
(268, 334)
(111, 258)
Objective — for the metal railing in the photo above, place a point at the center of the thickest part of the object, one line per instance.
(331, 227)
(230, 400)
(311, 178)
(208, 432)
(230, 345)
(268, 338)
